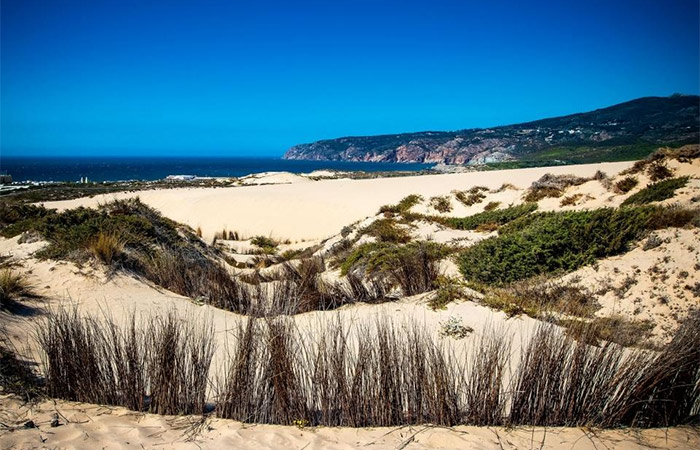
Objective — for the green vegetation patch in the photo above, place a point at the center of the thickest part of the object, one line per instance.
(472, 196)
(562, 241)
(128, 235)
(499, 216)
(387, 230)
(656, 192)
(413, 267)
(404, 205)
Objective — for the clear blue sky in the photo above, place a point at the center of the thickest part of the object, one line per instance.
(227, 78)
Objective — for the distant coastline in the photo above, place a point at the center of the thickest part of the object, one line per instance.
(73, 169)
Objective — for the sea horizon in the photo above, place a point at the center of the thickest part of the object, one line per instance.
(150, 168)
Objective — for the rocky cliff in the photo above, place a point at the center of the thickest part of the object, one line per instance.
(628, 130)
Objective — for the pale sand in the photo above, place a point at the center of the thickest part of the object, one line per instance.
(85, 426)
(316, 209)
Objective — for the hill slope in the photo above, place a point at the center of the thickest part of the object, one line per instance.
(629, 130)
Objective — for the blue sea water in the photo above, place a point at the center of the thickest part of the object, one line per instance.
(150, 168)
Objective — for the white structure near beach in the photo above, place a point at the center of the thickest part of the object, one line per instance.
(180, 177)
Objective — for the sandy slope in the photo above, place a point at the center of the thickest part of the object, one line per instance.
(62, 284)
(85, 426)
(312, 210)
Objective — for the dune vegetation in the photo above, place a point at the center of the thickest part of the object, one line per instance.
(301, 350)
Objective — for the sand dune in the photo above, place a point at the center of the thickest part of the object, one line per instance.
(315, 210)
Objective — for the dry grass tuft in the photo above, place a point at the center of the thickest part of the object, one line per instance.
(163, 370)
(106, 247)
(13, 285)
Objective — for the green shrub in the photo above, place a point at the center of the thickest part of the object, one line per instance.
(500, 217)
(267, 244)
(472, 196)
(404, 204)
(626, 184)
(441, 204)
(413, 266)
(656, 192)
(387, 230)
(658, 170)
(449, 289)
(561, 241)
(16, 218)
(359, 254)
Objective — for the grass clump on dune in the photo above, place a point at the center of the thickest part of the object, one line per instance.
(13, 285)
(161, 368)
(441, 204)
(562, 241)
(404, 205)
(626, 184)
(656, 192)
(266, 244)
(551, 186)
(387, 230)
(377, 373)
(413, 267)
(472, 196)
(106, 247)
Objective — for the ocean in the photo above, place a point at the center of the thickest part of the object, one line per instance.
(152, 168)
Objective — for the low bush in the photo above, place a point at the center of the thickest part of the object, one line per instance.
(387, 230)
(441, 204)
(413, 267)
(552, 242)
(539, 296)
(658, 170)
(500, 217)
(128, 235)
(472, 196)
(404, 205)
(449, 289)
(626, 184)
(616, 329)
(570, 200)
(268, 245)
(656, 192)
(551, 186)
(490, 206)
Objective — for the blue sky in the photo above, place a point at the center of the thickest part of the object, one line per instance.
(253, 78)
